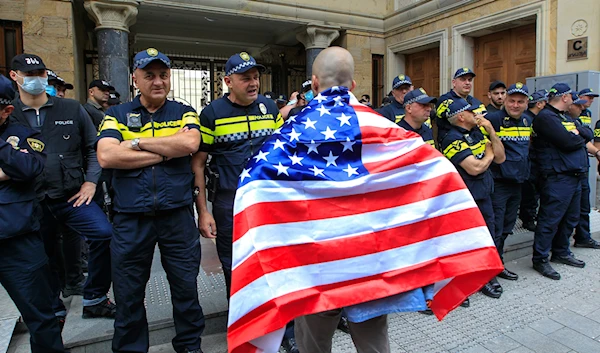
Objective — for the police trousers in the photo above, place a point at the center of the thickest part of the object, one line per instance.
(223, 214)
(314, 333)
(487, 211)
(24, 273)
(135, 236)
(582, 231)
(505, 201)
(560, 208)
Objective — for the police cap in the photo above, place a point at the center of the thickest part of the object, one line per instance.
(401, 80)
(418, 96)
(7, 92)
(463, 71)
(145, 57)
(518, 88)
(240, 63)
(539, 96)
(588, 92)
(559, 89)
(27, 63)
(496, 84)
(459, 106)
(577, 100)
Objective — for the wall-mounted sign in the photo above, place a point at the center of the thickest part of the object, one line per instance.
(577, 49)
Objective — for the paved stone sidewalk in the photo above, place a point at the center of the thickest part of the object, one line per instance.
(535, 314)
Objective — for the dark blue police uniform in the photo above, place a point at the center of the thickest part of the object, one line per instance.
(443, 126)
(459, 144)
(153, 205)
(418, 96)
(395, 111)
(24, 270)
(562, 160)
(513, 172)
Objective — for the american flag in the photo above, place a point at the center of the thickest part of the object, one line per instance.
(341, 207)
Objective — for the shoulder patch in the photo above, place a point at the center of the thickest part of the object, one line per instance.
(14, 141)
(36, 144)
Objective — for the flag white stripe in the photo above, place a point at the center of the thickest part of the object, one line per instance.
(375, 120)
(379, 152)
(276, 284)
(258, 191)
(285, 234)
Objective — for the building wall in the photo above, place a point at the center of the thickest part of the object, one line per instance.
(47, 31)
(420, 22)
(362, 46)
(588, 11)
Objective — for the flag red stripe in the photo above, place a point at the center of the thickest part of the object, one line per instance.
(374, 134)
(476, 266)
(265, 213)
(290, 256)
(420, 154)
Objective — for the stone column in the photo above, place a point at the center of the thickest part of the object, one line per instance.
(113, 18)
(315, 38)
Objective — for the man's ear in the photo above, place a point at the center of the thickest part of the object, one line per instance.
(353, 86)
(7, 111)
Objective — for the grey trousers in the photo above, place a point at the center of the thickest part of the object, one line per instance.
(314, 333)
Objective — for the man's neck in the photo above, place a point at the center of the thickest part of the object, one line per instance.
(35, 102)
(461, 95)
(152, 106)
(496, 106)
(232, 98)
(410, 121)
(95, 103)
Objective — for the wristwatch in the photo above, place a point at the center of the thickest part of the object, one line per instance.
(196, 191)
(135, 144)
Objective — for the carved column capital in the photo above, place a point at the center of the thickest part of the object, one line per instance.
(318, 35)
(112, 14)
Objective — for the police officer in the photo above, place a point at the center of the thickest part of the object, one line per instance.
(56, 85)
(462, 83)
(24, 270)
(148, 142)
(65, 190)
(417, 108)
(496, 95)
(514, 130)
(582, 237)
(400, 87)
(98, 95)
(529, 194)
(588, 95)
(559, 146)
(472, 154)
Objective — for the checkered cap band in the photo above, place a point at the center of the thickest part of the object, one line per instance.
(401, 82)
(142, 61)
(416, 99)
(517, 90)
(465, 108)
(240, 66)
(4, 101)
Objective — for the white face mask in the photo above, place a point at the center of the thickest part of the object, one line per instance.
(34, 85)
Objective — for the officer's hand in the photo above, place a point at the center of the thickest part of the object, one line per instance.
(85, 194)
(207, 225)
(182, 130)
(575, 131)
(481, 121)
(3, 176)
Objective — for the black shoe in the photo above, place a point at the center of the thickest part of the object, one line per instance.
(103, 309)
(568, 260)
(466, 303)
(426, 312)
(509, 275)
(590, 243)
(61, 322)
(530, 225)
(490, 291)
(494, 282)
(546, 270)
(289, 345)
(343, 325)
(72, 290)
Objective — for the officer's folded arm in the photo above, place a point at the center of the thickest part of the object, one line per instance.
(183, 143)
(206, 221)
(474, 166)
(3, 176)
(112, 155)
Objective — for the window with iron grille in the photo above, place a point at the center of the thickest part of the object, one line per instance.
(11, 43)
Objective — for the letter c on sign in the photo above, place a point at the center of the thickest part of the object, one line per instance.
(577, 45)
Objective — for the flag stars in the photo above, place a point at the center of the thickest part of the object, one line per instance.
(261, 156)
(351, 171)
(329, 134)
(281, 169)
(278, 144)
(322, 111)
(348, 144)
(291, 119)
(344, 120)
(294, 135)
(246, 173)
(295, 159)
(317, 171)
(309, 123)
(312, 147)
(319, 98)
(339, 101)
(331, 159)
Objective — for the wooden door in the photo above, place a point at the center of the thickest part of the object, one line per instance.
(508, 56)
(423, 68)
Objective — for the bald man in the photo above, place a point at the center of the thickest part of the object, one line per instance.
(332, 78)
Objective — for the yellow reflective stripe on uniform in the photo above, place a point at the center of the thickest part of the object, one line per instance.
(430, 142)
(585, 119)
(483, 131)
(515, 131)
(108, 123)
(454, 148)
(190, 118)
(279, 121)
(428, 122)
(569, 126)
(480, 109)
(443, 107)
(255, 124)
(596, 132)
(208, 135)
(399, 118)
(478, 149)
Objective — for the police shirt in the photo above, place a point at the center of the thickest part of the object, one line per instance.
(515, 135)
(586, 118)
(162, 186)
(425, 131)
(557, 149)
(393, 111)
(459, 144)
(442, 108)
(232, 133)
(17, 195)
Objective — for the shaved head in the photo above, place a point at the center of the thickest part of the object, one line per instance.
(334, 66)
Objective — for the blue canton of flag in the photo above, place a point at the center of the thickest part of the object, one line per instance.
(322, 142)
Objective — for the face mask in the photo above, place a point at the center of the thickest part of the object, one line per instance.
(34, 85)
(51, 90)
(309, 96)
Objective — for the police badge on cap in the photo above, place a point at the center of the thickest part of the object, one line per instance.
(263, 108)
